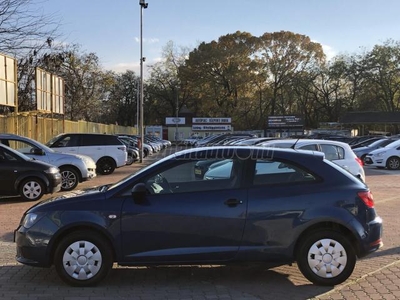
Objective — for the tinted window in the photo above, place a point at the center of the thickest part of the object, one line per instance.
(181, 178)
(99, 140)
(275, 172)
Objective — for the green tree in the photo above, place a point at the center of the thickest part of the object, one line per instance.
(121, 103)
(382, 73)
(220, 77)
(284, 55)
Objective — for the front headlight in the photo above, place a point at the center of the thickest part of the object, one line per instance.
(30, 219)
(52, 170)
(380, 154)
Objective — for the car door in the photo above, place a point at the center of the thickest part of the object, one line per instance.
(8, 172)
(277, 195)
(184, 218)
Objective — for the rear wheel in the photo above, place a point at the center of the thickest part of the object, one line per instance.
(105, 166)
(393, 163)
(31, 189)
(69, 178)
(83, 258)
(326, 257)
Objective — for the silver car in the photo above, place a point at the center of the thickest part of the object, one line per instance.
(73, 168)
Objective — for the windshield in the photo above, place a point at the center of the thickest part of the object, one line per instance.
(51, 141)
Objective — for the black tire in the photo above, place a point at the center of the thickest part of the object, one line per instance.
(326, 257)
(363, 158)
(83, 258)
(130, 160)
(393, 163)
(31, 189)
(105, 166)
(69, 178)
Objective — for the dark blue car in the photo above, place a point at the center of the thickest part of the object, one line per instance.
(273, 206)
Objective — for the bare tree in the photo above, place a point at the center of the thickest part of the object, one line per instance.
(23, 27)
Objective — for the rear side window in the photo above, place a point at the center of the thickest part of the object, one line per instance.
(332, 152)
(276, 172)
(100, 140)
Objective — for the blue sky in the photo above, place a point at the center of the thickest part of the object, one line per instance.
(111, 28)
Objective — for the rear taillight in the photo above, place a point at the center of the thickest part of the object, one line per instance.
(360, 162)
(367, 198)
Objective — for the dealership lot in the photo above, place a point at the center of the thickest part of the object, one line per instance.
(375, 276)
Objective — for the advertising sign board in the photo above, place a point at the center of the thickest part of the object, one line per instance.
(8, 81)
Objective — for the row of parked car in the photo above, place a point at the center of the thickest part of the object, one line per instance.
(350, 153)
(31, 169)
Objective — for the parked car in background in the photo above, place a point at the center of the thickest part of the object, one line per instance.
(73, 168)
(132, 150)
(386, 157)
(290, 206)
(26, 177)
(362, 152)
(134, 140)
(338, 152)
(106, 150)
(366, 142)
(190, 141)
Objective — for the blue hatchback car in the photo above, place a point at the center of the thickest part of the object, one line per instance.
(272, 206)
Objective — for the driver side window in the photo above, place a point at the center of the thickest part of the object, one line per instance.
(195, 176)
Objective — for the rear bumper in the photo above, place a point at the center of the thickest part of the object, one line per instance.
(372, 239)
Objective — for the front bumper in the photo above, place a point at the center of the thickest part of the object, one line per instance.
(91, 173)
(32, 245)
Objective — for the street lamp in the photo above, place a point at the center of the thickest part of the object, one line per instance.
(177, 116)
(143, 5)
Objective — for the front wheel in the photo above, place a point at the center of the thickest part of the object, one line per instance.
(69, 178)
(130, 160)
(31, 189)
(83, 258)
(326, 258)
(105, 166)
(393, 163)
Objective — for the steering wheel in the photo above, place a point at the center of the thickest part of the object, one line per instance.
(161, 181)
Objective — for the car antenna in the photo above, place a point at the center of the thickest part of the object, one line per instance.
(294, 145)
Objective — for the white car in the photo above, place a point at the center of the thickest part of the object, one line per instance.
(106, 150)
(386, 157)
(73, 168)
(339, 153)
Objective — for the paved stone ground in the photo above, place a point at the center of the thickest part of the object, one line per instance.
(375, 277)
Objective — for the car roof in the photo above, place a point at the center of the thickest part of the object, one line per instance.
(306, 141)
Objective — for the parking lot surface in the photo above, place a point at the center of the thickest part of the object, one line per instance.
(375, 277)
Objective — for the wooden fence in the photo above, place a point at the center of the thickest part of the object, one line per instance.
(43, 129)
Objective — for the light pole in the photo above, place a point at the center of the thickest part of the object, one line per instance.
(177, 116)
(143, 5)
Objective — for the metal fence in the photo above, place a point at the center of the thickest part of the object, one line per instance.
(43, 129)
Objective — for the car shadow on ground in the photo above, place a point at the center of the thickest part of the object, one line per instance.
(192, 282)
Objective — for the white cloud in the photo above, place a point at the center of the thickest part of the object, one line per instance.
(147, 40)
(329, 52)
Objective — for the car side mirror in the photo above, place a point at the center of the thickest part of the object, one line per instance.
(139, 192)
(37, 151)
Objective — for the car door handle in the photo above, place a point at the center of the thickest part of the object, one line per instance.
(233, 202)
